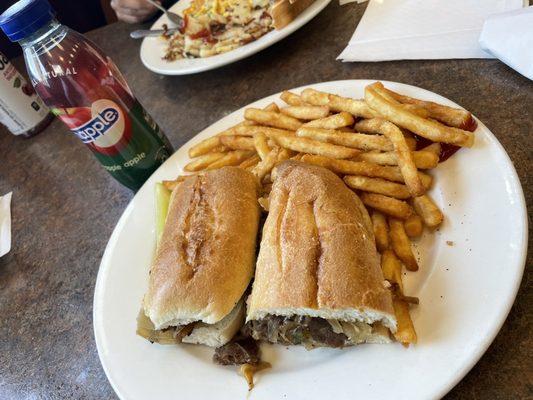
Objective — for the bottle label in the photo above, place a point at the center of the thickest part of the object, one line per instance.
(104, 122)
(20, 108)
(108, 130)
(128, 143)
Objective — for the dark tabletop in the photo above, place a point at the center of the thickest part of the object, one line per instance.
(65, 205)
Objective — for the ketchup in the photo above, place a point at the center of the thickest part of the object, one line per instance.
(446, 150)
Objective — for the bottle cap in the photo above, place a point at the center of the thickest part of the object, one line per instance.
(25, 17)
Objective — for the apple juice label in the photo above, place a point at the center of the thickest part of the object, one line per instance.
(20, 108)
(117, 138)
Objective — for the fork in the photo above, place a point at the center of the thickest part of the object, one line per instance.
(172, 17)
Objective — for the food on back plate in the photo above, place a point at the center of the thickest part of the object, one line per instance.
(204, 260)
(217, 26)
(318, 278)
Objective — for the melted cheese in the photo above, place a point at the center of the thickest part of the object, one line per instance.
(240, 9)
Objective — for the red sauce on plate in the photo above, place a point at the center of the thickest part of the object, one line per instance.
(446, 150)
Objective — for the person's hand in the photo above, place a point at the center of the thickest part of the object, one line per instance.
(133, 11)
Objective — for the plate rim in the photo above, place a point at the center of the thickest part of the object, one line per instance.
(292, 27)
(476, 354)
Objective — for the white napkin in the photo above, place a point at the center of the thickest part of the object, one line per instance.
(509, 37)
(422, 29)
(5, 224)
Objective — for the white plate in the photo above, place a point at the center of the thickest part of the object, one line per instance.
(465, 291)
(153, 49)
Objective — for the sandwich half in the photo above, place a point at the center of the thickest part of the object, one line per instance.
(318, 280)
(204, 261)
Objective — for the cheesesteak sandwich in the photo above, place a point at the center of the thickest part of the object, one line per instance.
(318, 280)
(204, 261)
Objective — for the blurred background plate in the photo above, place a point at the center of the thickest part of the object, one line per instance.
(470, 270)
(153, 49)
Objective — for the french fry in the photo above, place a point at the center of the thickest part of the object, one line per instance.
(427, 128)
(265, 166)
(272, 118)
(205, 146)
(401, 244)
(268, 131)
(405, 159)
(275, 156)
(364, 168)
(235, 131)
(172, 184)
(261, 145)
(292, 99)
(272, 107)
(230, 159)
(219, 149)
(405, 332)
(428, 211)
(427, 180)
(306, 145)
(420, 111)
(434, 148)
(392, 268)
(238, 142)
(423, 159)
(346, 129)
(378, 185)
(413, 226)
(306, 112)
(355, 140)
(297, 157)
(203, 161)
(387, 205)
(381, 231)
(250, 162)
(335, 121)
(410, 107)
(357, 108)
(448, 115)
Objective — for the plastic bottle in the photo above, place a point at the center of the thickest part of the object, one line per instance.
(85, 89)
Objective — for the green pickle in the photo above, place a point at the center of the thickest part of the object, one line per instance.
(162, 200)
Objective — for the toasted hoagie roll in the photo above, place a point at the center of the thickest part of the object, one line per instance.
(318, 278)
(205, 260)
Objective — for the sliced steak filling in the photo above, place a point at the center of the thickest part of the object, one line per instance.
(308, 331)
(241, 351)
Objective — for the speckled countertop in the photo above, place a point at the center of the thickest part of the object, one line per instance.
(65, 205)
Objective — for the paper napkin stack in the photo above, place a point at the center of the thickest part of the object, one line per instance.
(509, 37)
(423, 29)
(5, 224)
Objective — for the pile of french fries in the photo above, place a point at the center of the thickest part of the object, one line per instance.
(370, 144)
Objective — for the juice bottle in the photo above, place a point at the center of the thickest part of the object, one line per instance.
(84, 88)
(21, 110)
